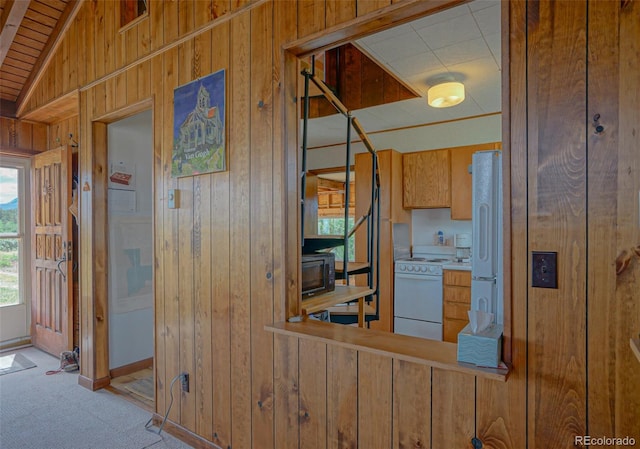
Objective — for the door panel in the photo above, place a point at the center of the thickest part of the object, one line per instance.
(51, 299)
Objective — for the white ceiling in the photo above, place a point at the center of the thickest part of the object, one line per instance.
(461, 43)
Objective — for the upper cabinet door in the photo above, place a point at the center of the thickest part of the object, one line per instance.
(461, 159)
(427, 181)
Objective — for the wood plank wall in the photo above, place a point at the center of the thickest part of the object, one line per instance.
(221, 263)
(22, 137)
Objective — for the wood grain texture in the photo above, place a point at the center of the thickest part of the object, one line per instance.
(628, 225)
(515, 257)
(170, 243)
(17, 135)
(100, 250)
(452, 409)
(411, 405)
(342, 388)
(461, 158)
(186, 252)
(311, 16)
(156, 28)
(220, 268)
(203, 267)
(285, 201)
(240, 239)
(549, 157)
(171, 19)
(286, 392)
(557, 220)
(426, 179)
(418, 350)
(261, 224)
(391, 211)
(338, 11)
(312, 365)
(221, 308)
(602, 164)
(375, 399)
(366, 6)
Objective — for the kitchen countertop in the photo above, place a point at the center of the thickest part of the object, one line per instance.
(460, 266)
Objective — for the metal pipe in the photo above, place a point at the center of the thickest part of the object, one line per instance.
(346, 202)
(303, 173)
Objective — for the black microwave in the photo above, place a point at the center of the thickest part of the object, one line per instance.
(318, 274)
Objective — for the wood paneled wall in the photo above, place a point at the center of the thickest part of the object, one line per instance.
(223, 259)
(19, 137)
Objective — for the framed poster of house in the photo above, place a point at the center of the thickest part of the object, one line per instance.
(199, 126)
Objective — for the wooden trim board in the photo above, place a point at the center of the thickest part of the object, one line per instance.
(418, 350)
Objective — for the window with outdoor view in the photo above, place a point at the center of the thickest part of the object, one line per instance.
(11, 236)
(335, 226)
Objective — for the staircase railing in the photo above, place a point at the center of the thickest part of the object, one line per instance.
(372, 217)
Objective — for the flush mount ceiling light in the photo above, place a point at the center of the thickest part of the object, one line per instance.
(445, 95)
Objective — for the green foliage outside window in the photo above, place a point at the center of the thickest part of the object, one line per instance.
(9, 221)
(335, 226)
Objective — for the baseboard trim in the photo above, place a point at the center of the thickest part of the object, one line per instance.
(18, 343)
(183, 434)
(131, 368)
(93, 384)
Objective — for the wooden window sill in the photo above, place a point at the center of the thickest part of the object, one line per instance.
(436, 354)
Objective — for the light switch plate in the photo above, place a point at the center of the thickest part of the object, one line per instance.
(544, 269)
(173, 199)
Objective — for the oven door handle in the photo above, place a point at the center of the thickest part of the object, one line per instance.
(427, 277)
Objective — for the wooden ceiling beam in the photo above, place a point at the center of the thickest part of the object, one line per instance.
(330, 184)
(66, 19)
(12, 15)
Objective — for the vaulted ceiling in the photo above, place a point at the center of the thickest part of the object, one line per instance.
(29, 32)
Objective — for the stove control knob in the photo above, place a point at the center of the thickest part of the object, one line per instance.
(409, 267)
(424, 268)
(401, 267)
(432, 269)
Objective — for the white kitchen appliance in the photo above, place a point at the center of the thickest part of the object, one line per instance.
(463, 247)
(486, 258)
(418, 292)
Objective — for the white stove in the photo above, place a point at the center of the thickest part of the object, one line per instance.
(418, 292)
(420, 265)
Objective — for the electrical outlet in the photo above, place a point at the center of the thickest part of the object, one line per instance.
(184, 382)
(544, 269)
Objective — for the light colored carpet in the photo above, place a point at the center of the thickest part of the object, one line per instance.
(142, 387)
(54, 412)
(14, 362)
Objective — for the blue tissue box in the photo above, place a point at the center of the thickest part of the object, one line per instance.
(481, 349)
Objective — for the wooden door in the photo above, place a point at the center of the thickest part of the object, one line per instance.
(51, 237)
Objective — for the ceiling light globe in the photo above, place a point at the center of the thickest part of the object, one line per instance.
(445, 95)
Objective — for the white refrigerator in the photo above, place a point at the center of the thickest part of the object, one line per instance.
(486, 255)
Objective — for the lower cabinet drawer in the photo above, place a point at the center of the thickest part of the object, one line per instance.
(456, 311)
(451, 329)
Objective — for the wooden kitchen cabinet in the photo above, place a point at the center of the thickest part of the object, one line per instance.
(391, 211)
(457, 301)
(426, 180)
(461, 186)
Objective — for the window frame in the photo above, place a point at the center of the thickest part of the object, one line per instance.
(23, 166)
